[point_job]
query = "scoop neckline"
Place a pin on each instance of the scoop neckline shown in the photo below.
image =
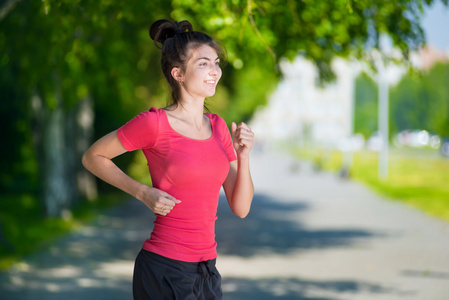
(186, 137)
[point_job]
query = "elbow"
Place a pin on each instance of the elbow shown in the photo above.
(84, 160)
(241, 208)
(241, 214)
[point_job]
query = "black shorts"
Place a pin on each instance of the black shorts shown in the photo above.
(157, 278)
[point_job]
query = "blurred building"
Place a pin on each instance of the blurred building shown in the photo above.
(300, 110)
(427, 57)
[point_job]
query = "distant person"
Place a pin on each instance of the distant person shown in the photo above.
(190, 155)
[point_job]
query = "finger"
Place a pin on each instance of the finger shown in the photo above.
(246, 134)
(166, 204)
(242, 125)
(245, 130)
(164, 210)
(234, 130)
(163, 206)
(170, 197)
(241, 128)
(245, 143)
(163, 213)
(246, 138)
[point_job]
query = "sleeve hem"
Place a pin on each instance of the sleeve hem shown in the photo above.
(125, 143)
(157, 124)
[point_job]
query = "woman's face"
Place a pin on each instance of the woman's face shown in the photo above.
(202, 72)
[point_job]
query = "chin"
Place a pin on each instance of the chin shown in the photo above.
(210, 93)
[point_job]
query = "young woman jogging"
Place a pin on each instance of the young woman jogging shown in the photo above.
(190, 155)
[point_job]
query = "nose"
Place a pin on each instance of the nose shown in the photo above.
(215, 70)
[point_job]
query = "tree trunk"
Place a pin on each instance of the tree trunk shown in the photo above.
(61, 136)
(58, 190)
(81, 132)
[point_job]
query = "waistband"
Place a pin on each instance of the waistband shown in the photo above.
(203, 267)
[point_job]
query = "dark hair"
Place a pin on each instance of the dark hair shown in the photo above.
(177, 39)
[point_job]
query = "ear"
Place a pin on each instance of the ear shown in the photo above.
(177, 74)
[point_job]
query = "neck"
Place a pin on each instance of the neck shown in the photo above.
(191, 111)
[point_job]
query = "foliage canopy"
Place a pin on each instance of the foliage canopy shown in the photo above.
(62, 52)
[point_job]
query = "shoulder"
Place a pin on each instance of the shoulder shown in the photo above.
(145, 120)
(141, 131)
(219, 125)
(216, 119)
(152, 115)
(154, 112)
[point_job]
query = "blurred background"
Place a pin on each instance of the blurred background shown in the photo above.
(359, 88)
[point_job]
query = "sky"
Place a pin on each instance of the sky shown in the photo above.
(436, 25)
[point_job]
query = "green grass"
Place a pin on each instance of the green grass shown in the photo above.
(418, 177)
(25, 230)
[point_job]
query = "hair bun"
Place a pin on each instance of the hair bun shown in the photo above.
(162, 30)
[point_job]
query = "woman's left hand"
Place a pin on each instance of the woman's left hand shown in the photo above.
(242, 138)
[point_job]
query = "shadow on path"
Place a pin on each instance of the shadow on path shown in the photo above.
(275, 227)
(93, 263)
(96, 262)
(292, 288)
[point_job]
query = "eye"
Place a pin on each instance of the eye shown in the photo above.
(203, 64)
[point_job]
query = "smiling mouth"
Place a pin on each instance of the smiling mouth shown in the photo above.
(211, 81)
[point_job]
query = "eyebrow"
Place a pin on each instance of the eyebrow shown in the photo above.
(207, 58)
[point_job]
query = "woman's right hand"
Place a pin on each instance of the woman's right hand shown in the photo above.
(158, 201)
(98, 160)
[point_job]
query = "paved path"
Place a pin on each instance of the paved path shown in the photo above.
(309, 235)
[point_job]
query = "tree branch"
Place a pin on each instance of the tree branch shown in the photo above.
(251, 19)
(7, 7)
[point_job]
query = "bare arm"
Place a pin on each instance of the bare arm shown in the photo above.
(238, 186)
(98, 160)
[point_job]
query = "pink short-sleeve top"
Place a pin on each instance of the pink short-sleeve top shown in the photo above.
(190, 170)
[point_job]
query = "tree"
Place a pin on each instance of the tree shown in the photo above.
(365, 114)
(422, 101)
(66, 59)
(258, 33)
(62, 54)
(320, 30)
